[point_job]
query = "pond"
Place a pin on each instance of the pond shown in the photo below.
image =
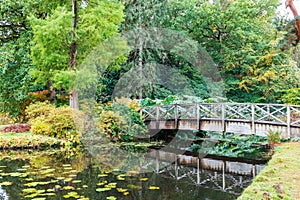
(33, 174)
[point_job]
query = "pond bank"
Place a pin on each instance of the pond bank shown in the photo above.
(280, 179)
(26, 140)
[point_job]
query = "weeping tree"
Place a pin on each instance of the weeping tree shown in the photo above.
(63, 40)
(158, 65)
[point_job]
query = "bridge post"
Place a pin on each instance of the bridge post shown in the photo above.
(157, 117)
(223, 117)
(288, 121)
(176, 116)
(198, 116)
(253, 118)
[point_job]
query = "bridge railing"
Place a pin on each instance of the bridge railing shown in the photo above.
(279, 114)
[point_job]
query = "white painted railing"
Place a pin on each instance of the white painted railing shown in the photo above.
(276, 114)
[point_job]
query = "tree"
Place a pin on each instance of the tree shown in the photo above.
(234, 33)
(59, 49)
(290, 4)
(15, 63)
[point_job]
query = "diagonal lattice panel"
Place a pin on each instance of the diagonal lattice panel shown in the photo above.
(238, 111)
(210, 111)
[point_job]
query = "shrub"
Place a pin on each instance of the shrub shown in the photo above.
(292, 96)
(121, 121)
(16, 128)
(110, 124)
(6, 119)
(38, 109)
(46, 119)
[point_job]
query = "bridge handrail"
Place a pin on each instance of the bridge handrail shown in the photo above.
(282, 114)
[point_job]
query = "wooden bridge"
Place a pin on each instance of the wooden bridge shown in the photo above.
(240, 118)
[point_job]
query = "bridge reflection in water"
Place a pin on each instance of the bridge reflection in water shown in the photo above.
(230, 175)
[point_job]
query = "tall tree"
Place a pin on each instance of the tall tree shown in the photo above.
(15, 37)
(241, 38)
(59, 50)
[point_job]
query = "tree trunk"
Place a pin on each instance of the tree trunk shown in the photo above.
(140, 56)
(73, 52)
(74, 100)
(289, 3)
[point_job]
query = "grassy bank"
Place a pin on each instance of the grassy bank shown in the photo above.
(280, 179)
(26, 140)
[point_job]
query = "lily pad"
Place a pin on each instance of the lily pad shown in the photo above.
(102, 189)
(6, 183)
(153, 188)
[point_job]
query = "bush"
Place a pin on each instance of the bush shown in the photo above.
(121, 121)
(38, 109)
(46, 119)
(292, 96)
(16, 128)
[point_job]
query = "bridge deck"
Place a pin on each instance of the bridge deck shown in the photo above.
(238, 118)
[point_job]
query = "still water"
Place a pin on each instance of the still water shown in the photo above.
(38, 175)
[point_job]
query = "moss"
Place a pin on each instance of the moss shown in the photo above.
(280, 179)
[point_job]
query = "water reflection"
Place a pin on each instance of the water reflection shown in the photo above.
(48, 175)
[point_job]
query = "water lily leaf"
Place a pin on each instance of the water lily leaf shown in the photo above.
(111, 185)
(15, 174)
(41, 191)
(47, 171)
(125, 193)
(50, 190)
(34, 184)
(29, 190)
(134, 186)
(50, 194)
(72, 194)
(72, 175)
(6, 183)
(153, 188)
(28, 179)
(21, 170)
(32, 195)
(68, 188)
(111, 198)
(60, 178)
(102, 183)
(66, 165)
(102, 189)
(122, 190)
(76, 181)
(143, 179)
(2, 166)
(102, 175)
(120, 178)
(84, 186)
(41, 198)
(68, 179)
(68, 168)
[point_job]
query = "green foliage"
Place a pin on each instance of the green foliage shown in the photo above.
(38, 109)
(15, 80)
(232, 145)
(233, 33)
(121, 121)
(274, 136)
(97, 21)
(59, 122)
(292, 96)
